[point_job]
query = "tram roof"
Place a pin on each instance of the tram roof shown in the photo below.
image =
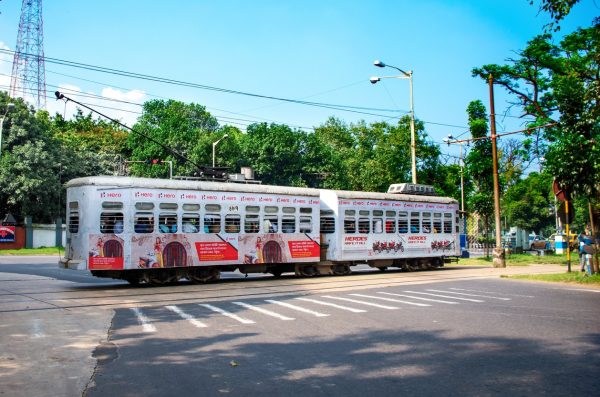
(353, 195)
(123, 182)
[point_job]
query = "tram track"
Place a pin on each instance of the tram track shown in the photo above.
(225, 291)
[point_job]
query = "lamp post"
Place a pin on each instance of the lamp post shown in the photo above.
(9, 107)
(214, 145)
(451, 140)
(405, 75)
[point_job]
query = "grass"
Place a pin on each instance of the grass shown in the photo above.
(34, 251)
(522, 260)
(575, 277)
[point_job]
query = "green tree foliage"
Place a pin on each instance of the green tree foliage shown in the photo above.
(479, 167)
(169, 127)
(558, 10)
(529, 205)
(560, 85)
(276, 152)
(30, 167)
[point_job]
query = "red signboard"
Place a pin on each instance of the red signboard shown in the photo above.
(304, 249)
(216, 251)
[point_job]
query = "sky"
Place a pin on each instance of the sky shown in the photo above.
(311, 50)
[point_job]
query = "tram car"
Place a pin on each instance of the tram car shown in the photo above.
(159, 231)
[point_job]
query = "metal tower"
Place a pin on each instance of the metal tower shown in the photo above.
(29, 72)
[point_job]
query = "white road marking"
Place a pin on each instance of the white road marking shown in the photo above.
(144, 321)
(492, 292)
(294, 307)
(464, 294)
(186, 316)
(361, 302)
(350, 309)
(419, 298)
(445, 296)
(391, 300)
(226, 313)
(38, 332)
(263, 311)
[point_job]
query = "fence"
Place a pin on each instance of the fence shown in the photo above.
(35, 235)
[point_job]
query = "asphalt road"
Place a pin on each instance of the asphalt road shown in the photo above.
(449, 332)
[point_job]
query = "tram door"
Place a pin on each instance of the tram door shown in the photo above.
(272, 252)
(174, 255)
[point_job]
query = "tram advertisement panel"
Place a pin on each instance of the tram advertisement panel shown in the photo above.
(278, 248)
(105, 252)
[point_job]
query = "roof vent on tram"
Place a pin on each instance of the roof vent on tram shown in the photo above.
(411, 188)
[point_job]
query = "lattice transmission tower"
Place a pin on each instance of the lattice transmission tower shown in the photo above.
(28, 78)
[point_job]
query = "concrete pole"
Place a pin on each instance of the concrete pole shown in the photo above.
(499, 257)
(413, 138)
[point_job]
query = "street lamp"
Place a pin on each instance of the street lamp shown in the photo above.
(451, 140)
(215, 145)
(404, 75)
(9, 106)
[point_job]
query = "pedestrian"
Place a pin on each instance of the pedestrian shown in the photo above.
(581, 239)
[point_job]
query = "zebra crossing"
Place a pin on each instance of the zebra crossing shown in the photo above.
(201, 315)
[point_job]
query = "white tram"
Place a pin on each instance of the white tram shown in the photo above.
(158, 231)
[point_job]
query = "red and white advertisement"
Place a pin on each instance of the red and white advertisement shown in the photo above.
(105, 252)
(355, 241)
(216, 251)
(417, 240)
(7, 234)
(105, 263)
(304, 249)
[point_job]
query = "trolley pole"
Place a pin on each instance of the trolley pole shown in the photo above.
(499, 258)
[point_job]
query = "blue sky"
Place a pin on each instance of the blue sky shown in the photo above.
(321, 51)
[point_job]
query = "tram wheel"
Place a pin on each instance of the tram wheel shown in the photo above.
(382, 268)
(308, 271)
(276, 273)
(133, 280)
(340, 270)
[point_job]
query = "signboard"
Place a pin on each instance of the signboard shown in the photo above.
(7, 234)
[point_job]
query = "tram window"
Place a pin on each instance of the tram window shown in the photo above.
(363, 225)
(144, 206)
(415, 224)
(377, 213)
(391, 214)
(111, 222)
(364, 213)
(327, 212)
(350, 212)
(305, 224)
(447, 223)
(191, 207)
(349, 225)
(270, 223)
(73, 221)
(437, 222)
(190, 223)
(377, 225)
(402, 222)
(232, 224)
(167, 223)
(289, 210)
(306, 210)
(143, 222)
(112, 205)
(288, 224)
(426, 222)
(251, 223)
(168, 206)
(253, 209)
(271, 209)
(390, 225)
(327, 225)
(212, 223)
(212, 208)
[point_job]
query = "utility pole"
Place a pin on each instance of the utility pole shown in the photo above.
(499, 258)
(28, 78)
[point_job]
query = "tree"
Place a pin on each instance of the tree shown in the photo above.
(276, 152)
(479, 166)
(173, 131)
(559, 87)
(558, 10)
(529, 205)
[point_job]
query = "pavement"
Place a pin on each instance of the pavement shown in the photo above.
(50, 351)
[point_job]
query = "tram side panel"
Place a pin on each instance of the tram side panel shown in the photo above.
(383, 231)
(157, 230)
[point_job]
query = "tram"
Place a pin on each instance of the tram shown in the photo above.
(160, 231)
